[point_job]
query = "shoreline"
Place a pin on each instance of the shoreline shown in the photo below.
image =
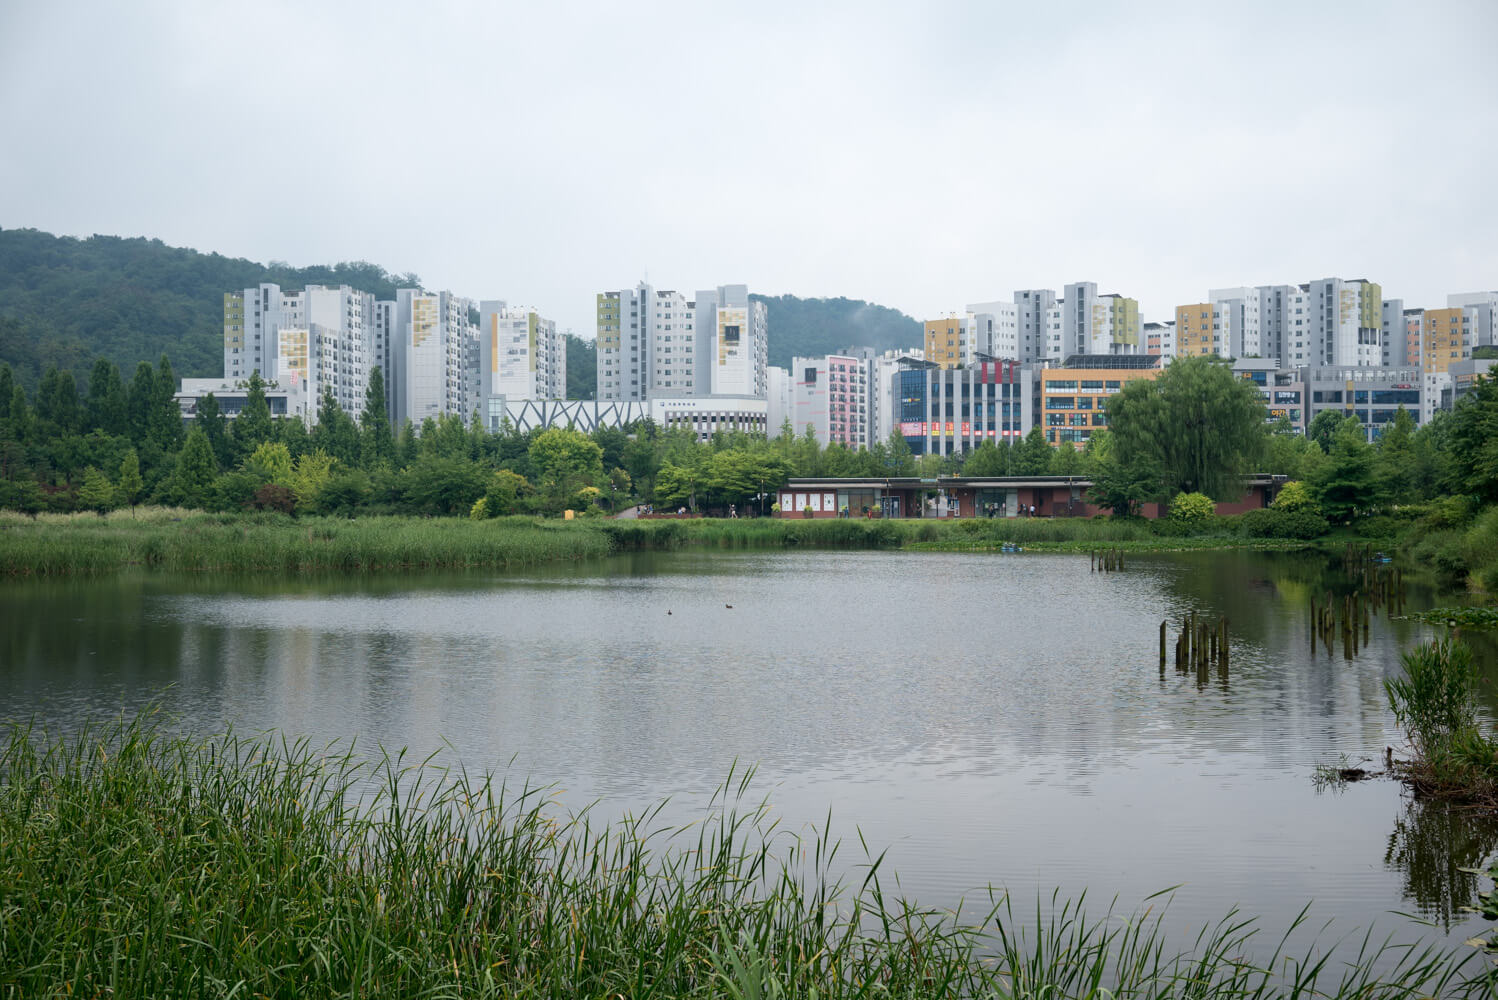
(188, 541)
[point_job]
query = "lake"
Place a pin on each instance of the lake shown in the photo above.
(991, 719)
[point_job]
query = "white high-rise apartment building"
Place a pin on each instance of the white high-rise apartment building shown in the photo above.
(433, 356)
(1084, 322)
(832, 396)
(1242, 316)
(521, 354)
(1033, 307)
(735, 331)
(635, 328)
(660, 344)
(1392, 332)
(1325, 322)
(251, 317)
(995, 330)
(1479, 317)
(779, 399)
(311, 341)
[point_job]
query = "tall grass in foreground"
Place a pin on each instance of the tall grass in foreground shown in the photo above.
(138, 863)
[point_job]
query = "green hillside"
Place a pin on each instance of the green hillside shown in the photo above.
(812, 327)
(65, 302)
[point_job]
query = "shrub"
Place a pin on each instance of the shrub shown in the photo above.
(1304, 523)
(234, 491)
(1191, 508)
(1294, 496)
(1448, 512)
(275, 498)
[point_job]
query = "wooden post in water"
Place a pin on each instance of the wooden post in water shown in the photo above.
(1222, 646)
(1162, 647)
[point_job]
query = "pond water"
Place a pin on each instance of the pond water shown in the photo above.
(992, 720)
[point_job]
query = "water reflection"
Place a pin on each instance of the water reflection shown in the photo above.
(995, 719)
(1429, 846)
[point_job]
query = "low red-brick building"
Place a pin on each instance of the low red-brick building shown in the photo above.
(973, 496)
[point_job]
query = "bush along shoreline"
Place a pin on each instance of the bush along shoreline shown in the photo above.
(140, 862)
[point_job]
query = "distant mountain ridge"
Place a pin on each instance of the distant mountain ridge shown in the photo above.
(65, 302)
(813, 327)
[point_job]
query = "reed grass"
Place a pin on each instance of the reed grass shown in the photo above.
(135, 862)
(275, 543)
(1435, 702)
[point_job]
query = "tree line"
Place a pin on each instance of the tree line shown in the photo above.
(1196, 429)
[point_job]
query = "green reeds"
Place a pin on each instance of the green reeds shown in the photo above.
(1435, 702)
(274, 543)
(137, 862)
(279, 544)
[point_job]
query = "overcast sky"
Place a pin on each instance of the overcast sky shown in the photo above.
(919, 155)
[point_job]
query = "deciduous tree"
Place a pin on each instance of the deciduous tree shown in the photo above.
(1195, 427)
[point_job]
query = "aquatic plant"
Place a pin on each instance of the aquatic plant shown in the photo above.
(140, 862)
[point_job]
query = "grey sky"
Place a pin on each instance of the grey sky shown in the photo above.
(918, 155)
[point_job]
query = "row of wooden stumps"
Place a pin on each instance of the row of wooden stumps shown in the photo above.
(1350, 616)
(1200, 647)
(1107, 561)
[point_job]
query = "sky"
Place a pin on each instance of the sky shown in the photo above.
(921, 156)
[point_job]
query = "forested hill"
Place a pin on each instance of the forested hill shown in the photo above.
(812, 327)
(66, 302)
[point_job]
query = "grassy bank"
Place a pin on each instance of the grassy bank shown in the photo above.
(134, 862)
(185, 541)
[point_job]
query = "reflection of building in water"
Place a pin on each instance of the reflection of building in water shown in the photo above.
(1428, 848)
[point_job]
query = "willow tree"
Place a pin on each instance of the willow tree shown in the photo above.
(1194, 429)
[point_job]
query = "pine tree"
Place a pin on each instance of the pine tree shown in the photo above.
(196, 470)
(97, 493)
(376, 443)
(253, 426)
(130, 485)
(106, 408)
(166, 415)
(138, 401)
(216, 426)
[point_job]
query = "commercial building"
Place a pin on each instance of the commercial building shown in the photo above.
(884, 374)
(1074, 396)
(1371, 394)
(709, 415)
(1282, 392)
(233, 396)
(948, 411)
(970, 496)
